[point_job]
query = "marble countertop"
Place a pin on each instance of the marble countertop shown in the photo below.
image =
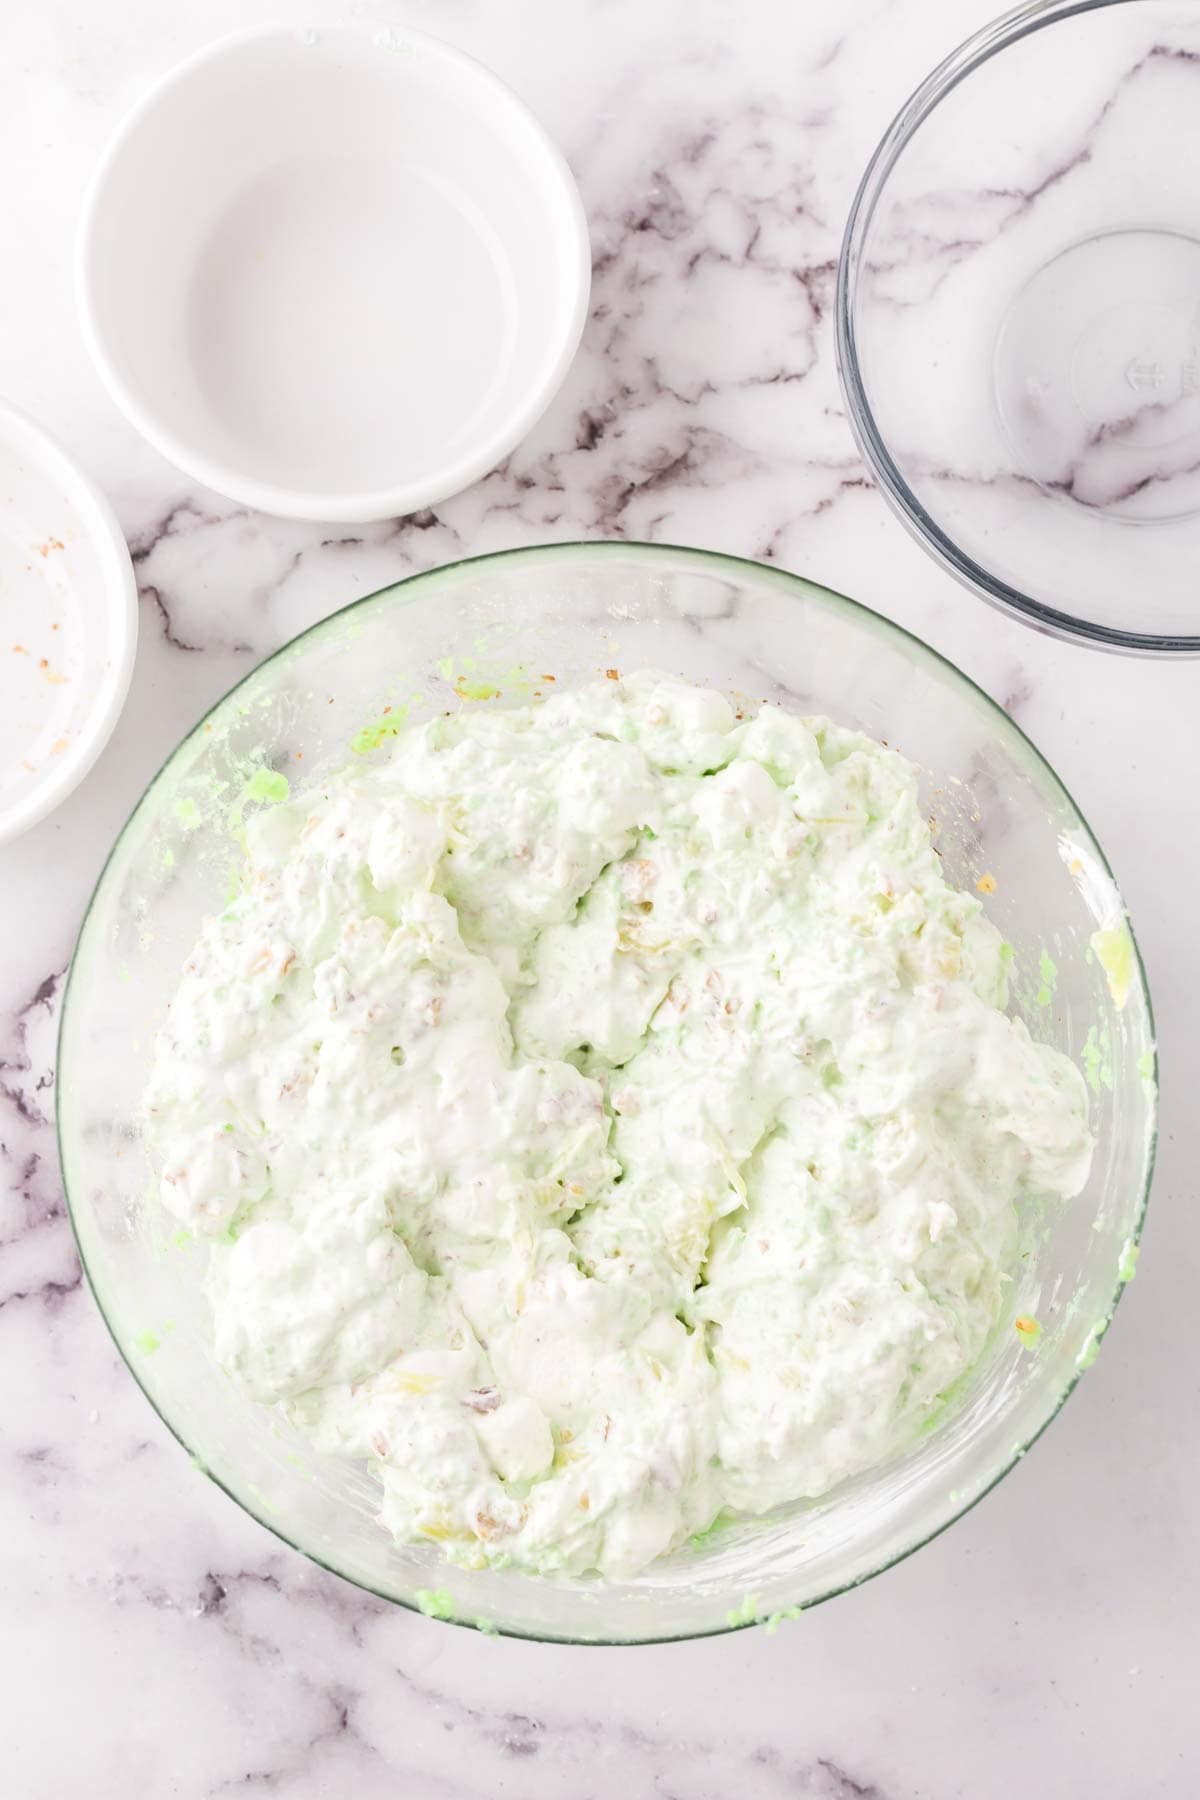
(153, 1640)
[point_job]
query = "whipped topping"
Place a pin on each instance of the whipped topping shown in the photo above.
(602, 1114)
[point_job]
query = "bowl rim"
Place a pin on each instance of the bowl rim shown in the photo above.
(408, 587)
(1010, 28)
(400, 498)
(116, 595)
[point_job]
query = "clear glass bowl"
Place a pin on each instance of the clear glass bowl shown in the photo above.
(573, 611)
(1018, 318)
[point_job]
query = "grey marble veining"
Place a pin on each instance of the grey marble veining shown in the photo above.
(153, 1640)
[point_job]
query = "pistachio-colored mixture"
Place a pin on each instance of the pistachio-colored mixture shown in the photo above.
(602, 1114)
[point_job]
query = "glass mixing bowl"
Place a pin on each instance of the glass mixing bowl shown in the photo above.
(1018, 318)
(509, 621)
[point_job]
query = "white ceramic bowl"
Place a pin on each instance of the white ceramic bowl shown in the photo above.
(334, 274)
(70, 622)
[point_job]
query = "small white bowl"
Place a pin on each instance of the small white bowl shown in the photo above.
(334, 274)
(69, 622)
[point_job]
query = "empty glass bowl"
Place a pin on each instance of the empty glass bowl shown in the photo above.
(509, 622)
(1018, 318)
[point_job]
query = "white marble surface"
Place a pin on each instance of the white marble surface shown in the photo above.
(153, 1641)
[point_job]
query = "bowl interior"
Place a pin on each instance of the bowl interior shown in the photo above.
(336, 265)
(70, 618)
(1019, 326)
(573, 612)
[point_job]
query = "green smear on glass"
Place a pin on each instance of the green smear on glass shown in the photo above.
(1091, 1348)
(1048, 975)
(1127, 1267)
(146, 1342)
(1145, 1065)
(486, 1628)
(472, 679)
(701, 1539)
(435, 1603)
(268, 785)
(1097, 1064)
(943, 1402)
(187, 812)
(388, 725)
(776, 1619)
(745, 1614)
(461, 675)
(1114, 952)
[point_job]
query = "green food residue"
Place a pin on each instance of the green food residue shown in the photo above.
(268, 785)
(462, 679)
(1028, 1330)
(187, 812)
(1091, 1346)
(1097, 1063)
(1145, 1065)
(475, 680)
(700, 1540)
(1048, 975)
(146, 1342)
(776, 1619)
(387, 725)
(1127, 1266)
(745, 1614)
(1114, 952)
(435, 1603)
(486, 1628)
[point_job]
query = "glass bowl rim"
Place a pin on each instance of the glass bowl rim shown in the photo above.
(713, 561)
(955, 68)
